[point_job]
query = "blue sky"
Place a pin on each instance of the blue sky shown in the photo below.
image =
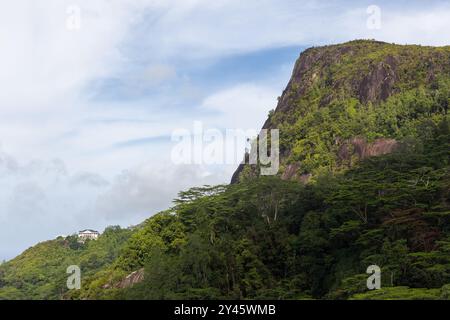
(86, 113)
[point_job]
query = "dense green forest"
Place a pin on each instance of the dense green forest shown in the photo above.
(286, 237)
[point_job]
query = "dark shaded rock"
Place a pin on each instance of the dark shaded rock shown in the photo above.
(291, 172)
(379, 83)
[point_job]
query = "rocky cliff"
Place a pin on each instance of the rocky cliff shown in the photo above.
(343, 103)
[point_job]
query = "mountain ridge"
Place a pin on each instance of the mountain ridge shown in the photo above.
(378, 71)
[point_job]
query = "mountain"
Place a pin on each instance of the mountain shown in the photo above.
(354, 100)
(364, 180)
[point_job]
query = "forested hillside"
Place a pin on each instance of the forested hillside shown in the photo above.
(364, 180)
(40, 272)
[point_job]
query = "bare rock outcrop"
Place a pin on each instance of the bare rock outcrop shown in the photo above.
(378, 85)
(362, 149)
(130, 280)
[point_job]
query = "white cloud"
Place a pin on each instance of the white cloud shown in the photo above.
(90, 179)
(138, 191)
(158, 73)
(405, 25)
(41, 199)
(42, 60)
(244, 106)
(204, 29)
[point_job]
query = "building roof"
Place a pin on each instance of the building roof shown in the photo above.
(88, 231)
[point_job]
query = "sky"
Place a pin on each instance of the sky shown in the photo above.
(93, 90)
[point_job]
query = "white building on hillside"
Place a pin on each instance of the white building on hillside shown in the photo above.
(88, 235)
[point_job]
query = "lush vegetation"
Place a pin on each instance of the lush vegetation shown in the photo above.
(325, 107)
(269, 238)
(40, 272)
(272, 238)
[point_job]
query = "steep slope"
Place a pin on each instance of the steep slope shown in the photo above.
(354, 100)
